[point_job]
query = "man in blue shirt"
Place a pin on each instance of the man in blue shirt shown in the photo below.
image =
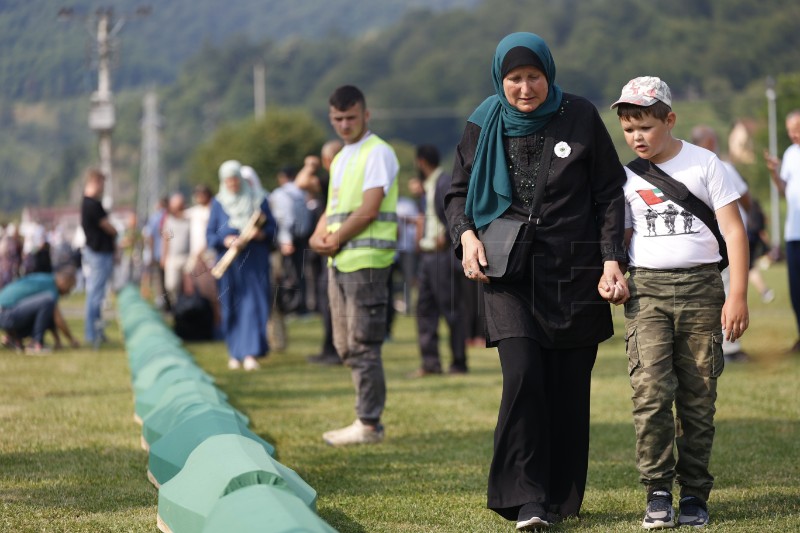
(28, 308)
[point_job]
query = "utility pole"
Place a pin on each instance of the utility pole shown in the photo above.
(149, 170)
(259, 89)
(102, 117)
(101, 112)
(774, 197)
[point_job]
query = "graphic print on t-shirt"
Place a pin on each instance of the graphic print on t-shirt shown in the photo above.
(662, 222)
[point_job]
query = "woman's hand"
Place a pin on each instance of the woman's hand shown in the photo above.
(613, 287)
(474, 257)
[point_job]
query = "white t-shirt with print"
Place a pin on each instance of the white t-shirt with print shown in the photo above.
(381, 169)
(790, 174)
(665, 236)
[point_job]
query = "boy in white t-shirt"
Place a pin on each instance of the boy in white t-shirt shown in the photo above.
(677, 309)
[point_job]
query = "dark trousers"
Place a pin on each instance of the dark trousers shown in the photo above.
(324, 307)
(439, 296)
(472, 301)
(793, 266)
(31, 317)
(541, 443)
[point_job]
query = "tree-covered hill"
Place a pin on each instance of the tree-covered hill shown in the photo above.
(422, 70)
(45, 56)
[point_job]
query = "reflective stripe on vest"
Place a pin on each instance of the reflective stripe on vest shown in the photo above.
(375, 246)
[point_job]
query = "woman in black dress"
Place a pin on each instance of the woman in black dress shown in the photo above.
(547, 325)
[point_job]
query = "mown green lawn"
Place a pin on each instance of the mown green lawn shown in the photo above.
(70, 458)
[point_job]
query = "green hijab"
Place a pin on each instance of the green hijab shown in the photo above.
(489, 193)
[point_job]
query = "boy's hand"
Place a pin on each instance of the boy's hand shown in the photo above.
(613, 287)
(735, 318)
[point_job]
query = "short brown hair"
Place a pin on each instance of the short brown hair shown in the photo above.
(94, 174)
(658, 110)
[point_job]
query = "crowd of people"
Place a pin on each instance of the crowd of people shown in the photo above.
(538, 229)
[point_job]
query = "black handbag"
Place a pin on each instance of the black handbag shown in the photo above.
(508, 242)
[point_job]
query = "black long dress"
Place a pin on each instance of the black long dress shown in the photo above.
(558, 307)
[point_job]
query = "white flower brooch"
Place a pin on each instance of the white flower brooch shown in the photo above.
(562, 150)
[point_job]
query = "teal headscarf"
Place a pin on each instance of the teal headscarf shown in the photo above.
(489, 193)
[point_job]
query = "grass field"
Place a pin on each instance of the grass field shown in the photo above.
(70, 458)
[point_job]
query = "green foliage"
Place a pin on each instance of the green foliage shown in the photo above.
(47, 58)
(423, 70)
(282, 137)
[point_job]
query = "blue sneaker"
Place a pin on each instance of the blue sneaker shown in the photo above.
(659, 513)
(693, 512)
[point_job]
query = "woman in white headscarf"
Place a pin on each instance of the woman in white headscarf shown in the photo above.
(244, 288)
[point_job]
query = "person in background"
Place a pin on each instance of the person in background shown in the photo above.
(97, 255)
(288, 205)
(29, 308)
(175, 246)
(705, 137)
(201, 257)
(786, 177)
(244, 287)
(406, 262)
(314, 178)
(439, 294)
(358, 233)
(758, 241)
(546, 326)
(152, 284)
(10, 255)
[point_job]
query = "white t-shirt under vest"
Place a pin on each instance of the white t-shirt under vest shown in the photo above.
(381, 169)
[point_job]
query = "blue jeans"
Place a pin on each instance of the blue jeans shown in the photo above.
(98, 267)
(31, 317)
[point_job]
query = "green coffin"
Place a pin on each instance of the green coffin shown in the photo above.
(147, 400)
(155, 369)
(142, 358)
(167, 415)
(260, 509)
(144, 344)
(169, 453)
(220, 466)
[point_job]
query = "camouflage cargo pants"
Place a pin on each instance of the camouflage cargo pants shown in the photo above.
(673, 340)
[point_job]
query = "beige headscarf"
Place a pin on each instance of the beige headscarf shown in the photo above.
(240, 206)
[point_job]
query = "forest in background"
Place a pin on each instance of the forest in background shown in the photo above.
(422, 71)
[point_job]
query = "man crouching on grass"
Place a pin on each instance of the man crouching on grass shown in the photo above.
(29, 307)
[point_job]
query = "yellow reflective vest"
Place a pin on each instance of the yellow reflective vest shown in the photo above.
(375, 246)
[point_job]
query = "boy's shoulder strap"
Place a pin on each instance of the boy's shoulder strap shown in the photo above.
(681, 195)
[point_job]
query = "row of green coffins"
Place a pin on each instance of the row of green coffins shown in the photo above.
(213, 473)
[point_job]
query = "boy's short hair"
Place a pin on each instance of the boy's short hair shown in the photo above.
(658, 111)
(645, 95)
(346, 96)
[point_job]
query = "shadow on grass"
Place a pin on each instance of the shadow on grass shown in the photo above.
(340, 521)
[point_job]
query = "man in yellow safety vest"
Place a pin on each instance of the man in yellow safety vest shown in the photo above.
(358, 234)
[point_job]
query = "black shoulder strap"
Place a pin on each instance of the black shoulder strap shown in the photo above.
(681, 195)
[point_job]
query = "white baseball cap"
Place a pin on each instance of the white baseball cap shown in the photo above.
(644, 91)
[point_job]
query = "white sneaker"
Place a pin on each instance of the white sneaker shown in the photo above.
(250, 363)
(234, 364)
(356, 433)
